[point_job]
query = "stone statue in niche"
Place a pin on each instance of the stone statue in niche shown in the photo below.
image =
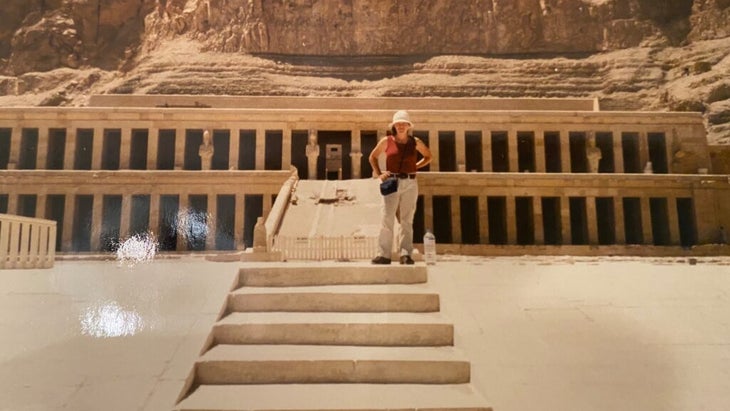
(593, 154)
(259, 236)
(206, 151)
(312, 152)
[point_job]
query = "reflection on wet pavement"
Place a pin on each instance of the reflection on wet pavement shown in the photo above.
(108, 319)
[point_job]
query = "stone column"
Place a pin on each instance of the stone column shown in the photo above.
(673, 221)
(456, 219)
(356, 153)
(183, 215)
(153, 139)
(96, 220)
(238, 221)
(267, 205)
(487, 150)
(42, 158)
(540, 150)
(433, 145)
(356, 159)
(428, 212)
(646, 221)
(511, 205)
(40, 207)
(233, 147)
(125, 216)
(460, 147)
(125, 148)
(565, 219)
(592, 220)
(69, 210)
(286, 148)
(154, 224)
(212, 208)
(69, 153)
(537, 221)
(97, 147)
(618, 212)
(260, 148)
(618, 150)
(180, 150)
(16, 137)
(483, 219)
(13, 204)
(512, 155)
(565, 151)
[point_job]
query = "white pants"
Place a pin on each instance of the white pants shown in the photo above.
(403, 200)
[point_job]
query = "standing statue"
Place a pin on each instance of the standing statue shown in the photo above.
(312, 152)
(593, 154)
(206, 151)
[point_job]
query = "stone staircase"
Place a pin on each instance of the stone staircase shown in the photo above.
(331, 337)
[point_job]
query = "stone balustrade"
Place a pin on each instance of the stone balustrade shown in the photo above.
(26, 242)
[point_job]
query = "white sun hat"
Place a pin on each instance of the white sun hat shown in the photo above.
(401, 116)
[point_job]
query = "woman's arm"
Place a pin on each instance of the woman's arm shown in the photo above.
(373, 158)
(425, 152)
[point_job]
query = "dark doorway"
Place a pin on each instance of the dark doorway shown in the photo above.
(56, 148)
(272, 159)
(605, 220)
(500, 152)
(28, 149)
(447, 151)
(247, 150)
(55, 209)
(81, 239)
(27, 205)
(221, 149)
(578, 221)
(5, 137)
(469, 220)
(658, 153)
(193, 141)
(83, 150)
(442, 219)
(659, 221)
(687, 225)
(632, 220)
(497, 214)
(253, 209)
(342, 138)
(578, 160)
(423, 136)
(526, 151)
(138, 149)
(166, 150)
(604, 141)
(196, 226)
(524, 219)
(111, 215)
(419, 222)
(368, 141)
(139, 221)
(169, 209)
(225, 217)
(630, 147)
(299, 140)
(110, 149)
(473, 146)
(552, 152)
(551, 225)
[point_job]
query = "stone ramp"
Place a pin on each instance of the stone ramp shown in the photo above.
(331, 337)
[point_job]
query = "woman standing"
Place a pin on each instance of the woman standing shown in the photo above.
(400, 150)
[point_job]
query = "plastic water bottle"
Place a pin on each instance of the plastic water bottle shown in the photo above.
(429, 247)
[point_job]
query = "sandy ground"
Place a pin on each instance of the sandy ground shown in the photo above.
(542, 333)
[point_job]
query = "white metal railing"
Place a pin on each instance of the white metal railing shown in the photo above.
(27, 242)
(326, 248)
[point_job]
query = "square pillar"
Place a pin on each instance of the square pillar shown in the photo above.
(125, 215)
(540, 152)
(286, 148)
(512, 153)
(13, 204)
(42, 158)
(511, 220)
(69, 209)
(483, 219)
(154, 225)
(618, 212)
(153, 140)
(211, 221)
(267, 206)
(97, 210)
(433, 145)
(565, 217)
(40, 207)
(456, 219)
(643, 148)
(125, 148)
(16, 138)
(238, 221)
(69, 154)
(96, 151)
(565, 152)
(233, 147)
(538, 228)
(673, 221)
(428, 212)
(646, 221)
(618, 150)
(180, 151)
(260, 149)
(592, 220)
(487, 151)
(356, 152)
(183, 214)
(460, 147)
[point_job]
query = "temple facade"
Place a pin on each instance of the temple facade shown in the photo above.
(199, 170)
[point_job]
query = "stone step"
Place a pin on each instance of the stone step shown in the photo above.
(306, 397)
(369, 329)
(303, 364)
(358, 298)
(341, 274)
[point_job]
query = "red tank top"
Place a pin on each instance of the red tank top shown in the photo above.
(403, 155)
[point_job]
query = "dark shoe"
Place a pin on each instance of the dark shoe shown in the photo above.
(406, 259)
(380, 260)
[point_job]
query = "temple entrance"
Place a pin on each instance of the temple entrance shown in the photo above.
(335, 140)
